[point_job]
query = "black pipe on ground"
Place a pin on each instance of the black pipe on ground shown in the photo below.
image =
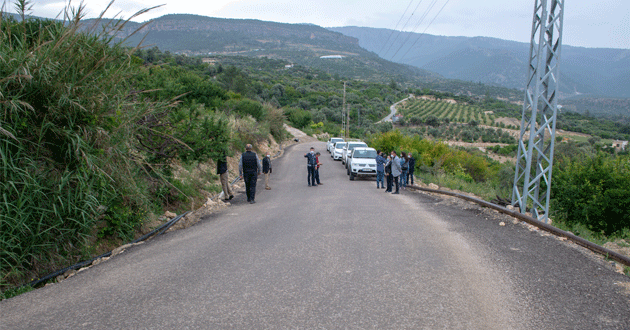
(82, 264)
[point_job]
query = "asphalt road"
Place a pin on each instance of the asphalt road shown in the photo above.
(343, 255)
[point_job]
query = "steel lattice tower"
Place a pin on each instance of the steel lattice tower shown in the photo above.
(532, 180)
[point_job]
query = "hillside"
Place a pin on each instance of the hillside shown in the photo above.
(590, 71)
(302, 44)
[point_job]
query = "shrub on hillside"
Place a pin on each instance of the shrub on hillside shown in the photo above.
(299, 118)
(594, 192)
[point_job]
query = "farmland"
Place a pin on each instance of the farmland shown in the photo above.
(418, 110)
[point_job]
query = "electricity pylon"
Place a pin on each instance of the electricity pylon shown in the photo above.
(532, 180)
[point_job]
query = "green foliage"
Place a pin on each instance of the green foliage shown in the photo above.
(67, 124)
(593, 191)
(12, 292)
(205, 135)
(173, 82)
(297, 117)
(245, 107)
(86, 140)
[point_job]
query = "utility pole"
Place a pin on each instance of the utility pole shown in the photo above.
(534, 162)
(345, 118)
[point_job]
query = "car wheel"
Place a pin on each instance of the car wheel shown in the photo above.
(348, 171)
(352, 176)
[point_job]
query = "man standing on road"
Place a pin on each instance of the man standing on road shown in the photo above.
(222, 171)
(388, 173)
(396, 171)
(380, 170)
(317, 154)
(412, 167)
(311, 162)
(248, 169)
(266, 168)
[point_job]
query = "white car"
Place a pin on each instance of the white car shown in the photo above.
(362, 162)
(337, 150)
(347, 151)
(331, 143)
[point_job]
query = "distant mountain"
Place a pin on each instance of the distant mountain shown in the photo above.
(302, 44)
(592, 71)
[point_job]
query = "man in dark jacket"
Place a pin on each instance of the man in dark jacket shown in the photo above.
(222, 171)
(380, 169)
(412, 166)
(249, 168)
(311, 163)
(266, 165)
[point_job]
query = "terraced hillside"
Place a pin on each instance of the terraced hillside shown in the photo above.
(421, 108)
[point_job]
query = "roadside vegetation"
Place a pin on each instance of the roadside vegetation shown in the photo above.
(94, 140)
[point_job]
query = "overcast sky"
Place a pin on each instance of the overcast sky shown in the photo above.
(587, 23)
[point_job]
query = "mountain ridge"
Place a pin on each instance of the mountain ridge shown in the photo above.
(593, 71)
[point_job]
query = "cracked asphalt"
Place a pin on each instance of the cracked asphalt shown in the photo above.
(343, 255)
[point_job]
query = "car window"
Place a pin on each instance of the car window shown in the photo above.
(351, 146)
(367, 153)
(339, 145)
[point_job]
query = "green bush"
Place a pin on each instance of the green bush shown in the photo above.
(246, 107)
(594, 192)
(299, 118)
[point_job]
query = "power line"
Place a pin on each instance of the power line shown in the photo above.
(404, 26)
(396, 27)
(425, 30)
(426, 12)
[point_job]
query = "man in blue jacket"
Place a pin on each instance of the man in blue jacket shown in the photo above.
(311, 163)
(380, 169)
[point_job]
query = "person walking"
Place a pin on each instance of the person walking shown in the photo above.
(404, 166)
(222, 171)
(317, 154)
(412, 168)
(380, 169)
(266, 169)
(311, 162)
(388, 173)
(249, 168)
(396, 171)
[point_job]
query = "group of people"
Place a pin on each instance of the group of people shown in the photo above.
(312, 167)
(249, 168)
(397, 170)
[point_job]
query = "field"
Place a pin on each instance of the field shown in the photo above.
(423, 108)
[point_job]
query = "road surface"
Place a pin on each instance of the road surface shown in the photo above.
(343, 255)
(393, 110)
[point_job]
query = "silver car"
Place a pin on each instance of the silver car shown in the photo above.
(337, 151)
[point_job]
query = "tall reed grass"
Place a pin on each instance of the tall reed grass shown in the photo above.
(68, 123)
